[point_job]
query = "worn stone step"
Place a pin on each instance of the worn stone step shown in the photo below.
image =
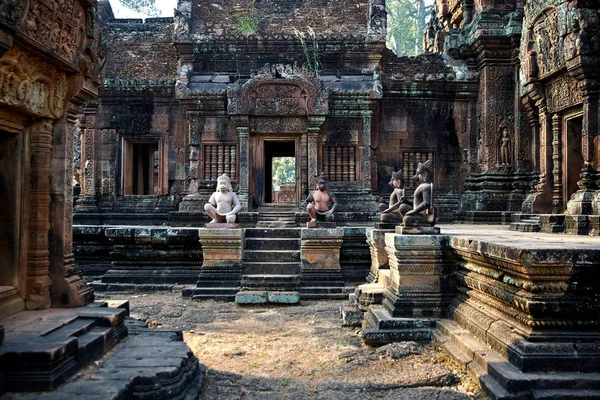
(76, 327)
(271, 255)
(272, 244)
(272, 233)
(270, 281)
(266, 268)
(93, 343)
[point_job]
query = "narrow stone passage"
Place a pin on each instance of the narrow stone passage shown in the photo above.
(299, 352)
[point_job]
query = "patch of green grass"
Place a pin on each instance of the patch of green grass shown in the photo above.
(254, 364)
(287, 334)
(284, 383)
(246, 24)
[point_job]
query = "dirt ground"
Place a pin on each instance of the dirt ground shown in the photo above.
(299, 352)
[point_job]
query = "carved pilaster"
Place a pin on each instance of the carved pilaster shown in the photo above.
(314, 127)
(243, 133)
(68, 287)
(304, 167)
(589, 93)
(366, 151)
(557, 195)
(87, 201)
(38, 279)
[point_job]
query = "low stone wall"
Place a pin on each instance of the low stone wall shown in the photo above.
(151, 258)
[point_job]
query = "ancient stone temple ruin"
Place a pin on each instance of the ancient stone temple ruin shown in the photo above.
(114, 134)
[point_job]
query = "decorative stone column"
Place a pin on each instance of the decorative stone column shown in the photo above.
(191, 202)
(320, 270)
(557, 184)
(366, 151)
(87, 200)
(420, 287)
(241, 124)
(314, 126)
(38, 278)
(68, 287)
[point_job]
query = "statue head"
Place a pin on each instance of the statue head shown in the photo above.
(224, 183)
(397, 180)
(322, 182)
(424, 173)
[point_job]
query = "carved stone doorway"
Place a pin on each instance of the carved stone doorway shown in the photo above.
(572, 154)
(12, 240)
(269, 148)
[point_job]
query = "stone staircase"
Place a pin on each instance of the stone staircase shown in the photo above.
(277, 216)
(271, 267)
(42, 349)
(525, 223)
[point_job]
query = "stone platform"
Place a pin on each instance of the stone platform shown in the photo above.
(42, 349)
(45, 349)
(522, 314)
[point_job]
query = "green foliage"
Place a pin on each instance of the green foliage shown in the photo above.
(405, 25)
(247, 23)
(284, 171)
(310, 47)
(147, 7)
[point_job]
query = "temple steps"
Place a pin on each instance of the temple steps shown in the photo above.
(271, 266)
(43, 351)
(277, 216)
(502, 380)
(525, 223)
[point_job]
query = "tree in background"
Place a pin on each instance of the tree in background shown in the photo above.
(405, 25)
(146, 7)
(284, 171)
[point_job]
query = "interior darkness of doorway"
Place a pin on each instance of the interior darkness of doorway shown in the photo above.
(275, 149)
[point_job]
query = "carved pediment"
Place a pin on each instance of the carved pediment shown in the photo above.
(279, 90)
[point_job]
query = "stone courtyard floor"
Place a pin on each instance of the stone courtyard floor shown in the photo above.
(298, 352)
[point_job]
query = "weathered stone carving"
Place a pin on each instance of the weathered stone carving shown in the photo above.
(319, 200)
(32, 84)
(505, 147)
(434, 34)
(226, 202)
(398, 205)
(423, 212)
(279, 90)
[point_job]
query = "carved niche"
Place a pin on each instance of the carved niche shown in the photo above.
(28, 82)
(279, 91)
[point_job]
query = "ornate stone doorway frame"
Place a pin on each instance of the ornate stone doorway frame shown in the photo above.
(282, 102)
(261, 165)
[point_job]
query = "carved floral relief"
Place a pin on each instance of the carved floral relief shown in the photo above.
(31, 83)
(55, 24)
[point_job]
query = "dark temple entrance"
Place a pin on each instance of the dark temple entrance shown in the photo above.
(280, 172)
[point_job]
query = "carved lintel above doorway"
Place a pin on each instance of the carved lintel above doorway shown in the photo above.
(279, 90)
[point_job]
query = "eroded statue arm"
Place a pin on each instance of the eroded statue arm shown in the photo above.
(237, 206)
(333, 201)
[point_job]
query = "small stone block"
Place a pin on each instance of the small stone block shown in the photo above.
(119, 304)
(417, 230)
(280, 297)
(251, 297)
(320, 224)
(386, 225)
(351, 315)
(220, 225)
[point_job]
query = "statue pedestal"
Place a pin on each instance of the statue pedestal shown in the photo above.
(320, 270)
(419, 288)
(417, 230)
(221, 225)
(320, 224)
(221, 272)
